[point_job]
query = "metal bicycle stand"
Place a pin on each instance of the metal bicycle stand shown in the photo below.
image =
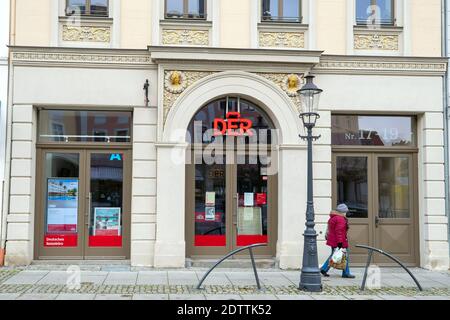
(232, 253)
(369, 260)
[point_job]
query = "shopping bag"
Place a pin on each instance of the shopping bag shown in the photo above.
(339, 259)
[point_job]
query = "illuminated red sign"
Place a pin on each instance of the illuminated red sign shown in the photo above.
(233, 125)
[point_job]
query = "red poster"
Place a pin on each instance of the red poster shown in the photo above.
(61, 240)
(261, 199)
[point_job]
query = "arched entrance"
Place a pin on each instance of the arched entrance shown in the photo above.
(231, 179)
(173, 151)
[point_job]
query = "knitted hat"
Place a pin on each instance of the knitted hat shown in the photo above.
(342, 208)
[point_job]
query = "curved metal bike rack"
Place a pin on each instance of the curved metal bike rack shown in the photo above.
(232, 253)
(369, 260)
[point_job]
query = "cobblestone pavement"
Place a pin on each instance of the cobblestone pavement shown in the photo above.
(122, 282)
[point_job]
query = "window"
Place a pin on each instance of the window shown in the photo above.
(375, 12)
(84, 126)
(87, 7)
(186, 9)
(378, 131)
(282, 10)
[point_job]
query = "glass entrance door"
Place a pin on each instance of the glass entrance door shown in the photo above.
(82, 206)
(230, 206)
(379, 191)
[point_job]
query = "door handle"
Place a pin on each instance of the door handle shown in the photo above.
(236, 208)
(88, 212)
(377, 221)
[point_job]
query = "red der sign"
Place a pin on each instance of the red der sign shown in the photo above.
(233, 125)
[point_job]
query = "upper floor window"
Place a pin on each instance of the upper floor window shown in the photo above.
(375, 12)
(282, 10)
(87, 7)
(187, 9)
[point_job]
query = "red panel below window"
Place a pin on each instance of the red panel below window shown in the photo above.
(60, 240)
(210, 241)
(243, 241)
(105, 241)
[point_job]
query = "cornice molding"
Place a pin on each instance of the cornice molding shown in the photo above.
(381, 65)
(209, 59)
(73, 57)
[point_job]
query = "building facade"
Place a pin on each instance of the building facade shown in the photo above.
(102, 164)
(4, 41)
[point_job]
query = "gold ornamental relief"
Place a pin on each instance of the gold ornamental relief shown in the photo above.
(86, 34)
(376, 42)
(282, 39)
(185, 37)
(289, 83)
(175, 82)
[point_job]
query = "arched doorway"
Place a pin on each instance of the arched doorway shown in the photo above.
(231, 179)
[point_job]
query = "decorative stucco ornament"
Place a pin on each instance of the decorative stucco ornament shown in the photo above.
(175, 82)
(291, 84)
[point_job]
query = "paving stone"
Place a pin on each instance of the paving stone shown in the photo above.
(55, 277)
(257, 297)
(119, 278)
(327, 297)
(9, 296)
(75, 296)
(32, 296)
(182, 278)
(152, 278)
(223, 297)
(391, 297)
(294, 297)
(187, 297)
(151, 297)
(26, 277)
(431, 298)
(219, 279)
(113, 297)
(362, 297)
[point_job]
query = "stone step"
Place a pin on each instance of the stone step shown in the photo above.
(231, 263)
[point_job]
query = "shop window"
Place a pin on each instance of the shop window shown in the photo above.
(87, 7)
(375, 12)
(84, 126)
(185, 9)
(281, 11)
(377, 131)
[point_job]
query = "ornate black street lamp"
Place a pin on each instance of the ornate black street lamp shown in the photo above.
(310, 279)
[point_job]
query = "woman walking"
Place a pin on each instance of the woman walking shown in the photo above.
(337, 238)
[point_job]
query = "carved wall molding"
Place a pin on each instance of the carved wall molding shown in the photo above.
(376, 41)
(281, 80)
(170, 96)
(185, 37)
(270, 39)
(86, 33)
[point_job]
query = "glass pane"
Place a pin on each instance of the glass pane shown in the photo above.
(210, 205)
(215, 116)
(99, 7)
(270, 10)
(252, 215)
(373, 131)
(393, 187)
(386, 14)
(62, 190)
(291, 10)
(106, 200)
(75, 7)
(196, 9)
(363, 10)
(84, 126)
(174, 8)
(352, 187)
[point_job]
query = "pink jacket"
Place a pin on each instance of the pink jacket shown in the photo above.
(337, 230)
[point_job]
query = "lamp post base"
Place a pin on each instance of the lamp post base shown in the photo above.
(311, 281)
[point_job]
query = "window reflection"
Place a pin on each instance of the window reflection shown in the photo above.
(281, 10)
(84, 126)
(394, 131)
(375, 11)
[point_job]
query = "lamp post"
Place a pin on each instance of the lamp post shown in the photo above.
(310, 279)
